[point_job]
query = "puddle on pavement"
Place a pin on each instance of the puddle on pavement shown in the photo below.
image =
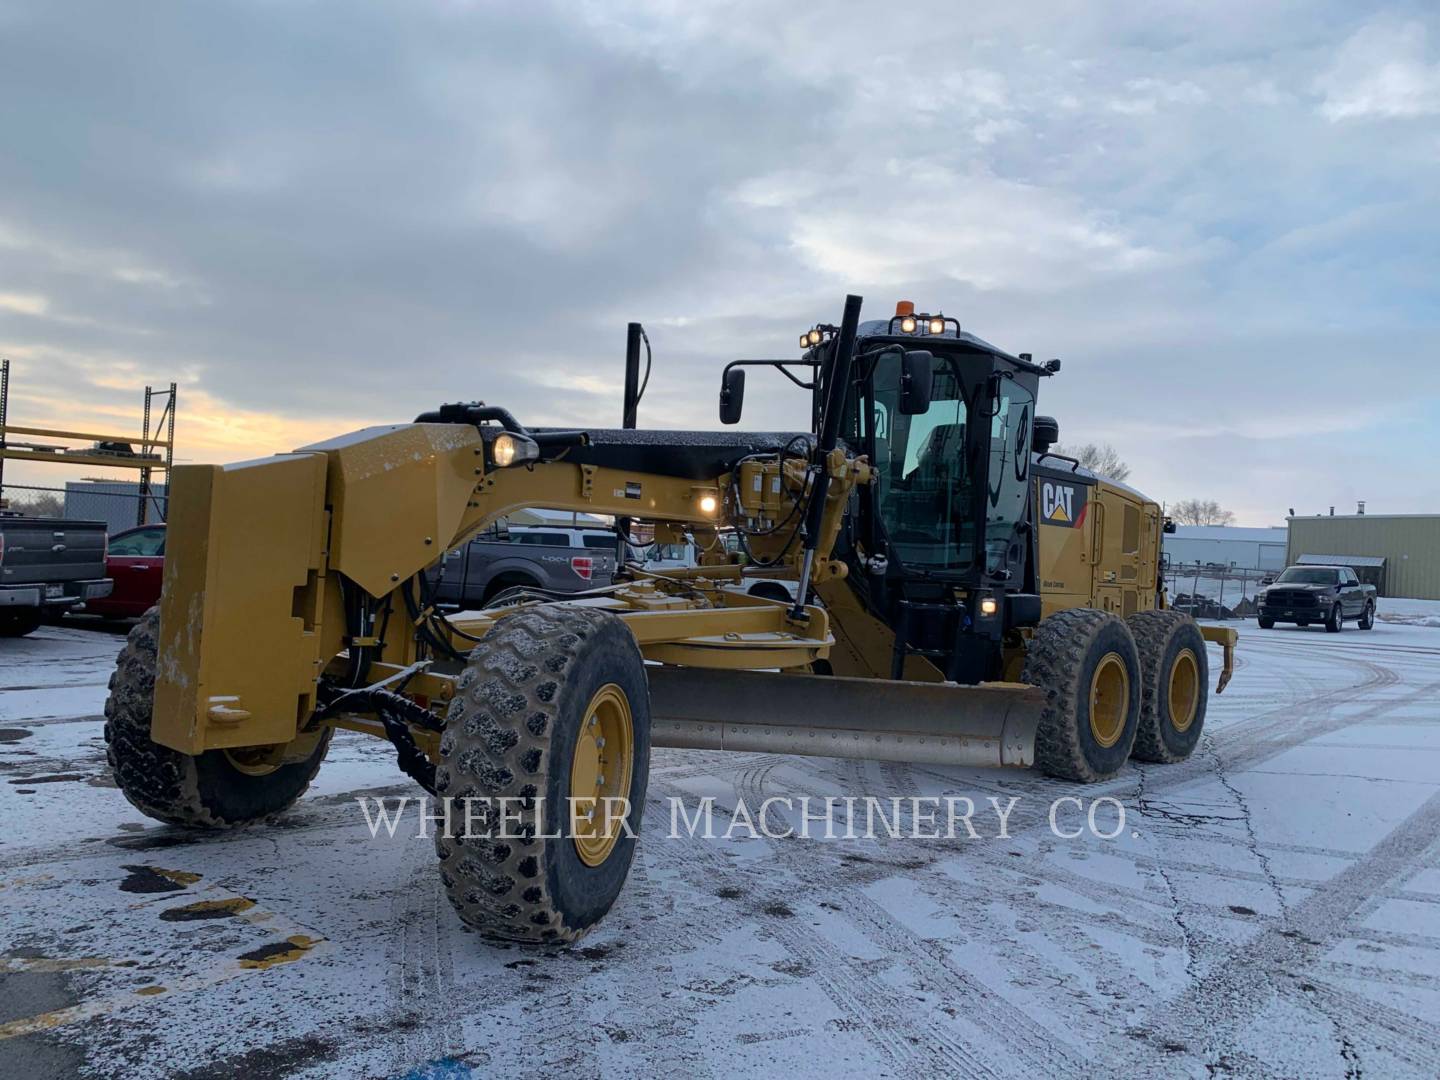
(57, 778)
(282, 952)
(208, 909)
(14, 734)
(159, 839)
(155, 879)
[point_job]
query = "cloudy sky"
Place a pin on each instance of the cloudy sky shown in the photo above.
(1224, 217)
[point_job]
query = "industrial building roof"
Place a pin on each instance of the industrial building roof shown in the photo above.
(1341, 560)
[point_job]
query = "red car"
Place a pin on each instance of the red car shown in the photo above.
(135, 561)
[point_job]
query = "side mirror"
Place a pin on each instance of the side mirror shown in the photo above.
(1045, 434)
(732, 395)
(917, 374)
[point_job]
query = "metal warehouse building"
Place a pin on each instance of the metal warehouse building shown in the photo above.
(1398, 553)
(115, 502)
(1226, 545)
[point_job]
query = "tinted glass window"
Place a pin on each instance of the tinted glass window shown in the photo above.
(540, 538)
(600, 540)
(924, 486)
(144, 542)
(1301, 575)
(1009, 471)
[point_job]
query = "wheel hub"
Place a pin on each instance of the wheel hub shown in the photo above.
(256, 760)
(1109, 700)
(1184, 696)
(600, 774)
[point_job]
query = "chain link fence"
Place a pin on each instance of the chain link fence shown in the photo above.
(118, 503)
(1212, 591)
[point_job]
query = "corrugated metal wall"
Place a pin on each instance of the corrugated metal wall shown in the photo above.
(1409, 544)
(115, 502)
(1246, 554)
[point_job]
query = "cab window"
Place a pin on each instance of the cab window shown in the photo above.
(540, 539)
(141, 542)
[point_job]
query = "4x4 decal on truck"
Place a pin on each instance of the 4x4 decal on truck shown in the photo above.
(1062, 504)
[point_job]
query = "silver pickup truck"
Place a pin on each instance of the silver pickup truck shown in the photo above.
(47, 566)
(555, 558)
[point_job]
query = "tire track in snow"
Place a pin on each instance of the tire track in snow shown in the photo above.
(1222, 1004)
(996, 1022)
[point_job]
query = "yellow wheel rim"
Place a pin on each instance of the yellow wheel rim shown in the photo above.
(256, 760)
(1184, 696)
(601, 770)
(1109, 699)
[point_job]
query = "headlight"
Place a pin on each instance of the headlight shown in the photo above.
(510, 449)
(989, 606)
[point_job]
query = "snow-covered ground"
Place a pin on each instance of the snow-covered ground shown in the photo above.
(1412, 612)
(1272, 907)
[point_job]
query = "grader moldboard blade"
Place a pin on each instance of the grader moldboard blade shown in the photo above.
(830, 716)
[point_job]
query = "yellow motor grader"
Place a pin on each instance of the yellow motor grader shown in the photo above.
(937, 585)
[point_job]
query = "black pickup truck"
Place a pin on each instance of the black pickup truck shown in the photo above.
(47, 566)
(1317, 594)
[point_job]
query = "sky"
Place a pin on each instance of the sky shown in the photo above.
(1224, 218)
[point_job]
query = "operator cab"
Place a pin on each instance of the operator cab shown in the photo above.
(952, 486)
(942, 545)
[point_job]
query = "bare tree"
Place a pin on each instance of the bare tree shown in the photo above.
(1200, 512)
(1100, 458)
(38, 505)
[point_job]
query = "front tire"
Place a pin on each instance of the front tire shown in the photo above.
(1086, 662)
(1367, 619)
(1174, 671)
(1266, 624)
(218, 789)
(553, 704)
(1335, 621)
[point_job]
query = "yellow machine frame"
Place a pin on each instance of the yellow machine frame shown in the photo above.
(252, 613)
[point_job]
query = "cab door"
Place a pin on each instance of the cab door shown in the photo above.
(1117, 552)
(1352, 596)
(135, 562)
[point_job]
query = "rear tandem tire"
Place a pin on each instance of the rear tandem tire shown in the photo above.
(521, 728)
(1087, 663)
(20, 622)
(1174, 673)
(207, 791)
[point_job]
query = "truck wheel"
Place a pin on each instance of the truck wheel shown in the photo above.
(504, 583)
(1335, 621)
(20, 622)
(553, 706)
(1086, 662)
(219, 788)
(1367, 618)
(1266, 624)
(772, 590)
(1174, 681)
